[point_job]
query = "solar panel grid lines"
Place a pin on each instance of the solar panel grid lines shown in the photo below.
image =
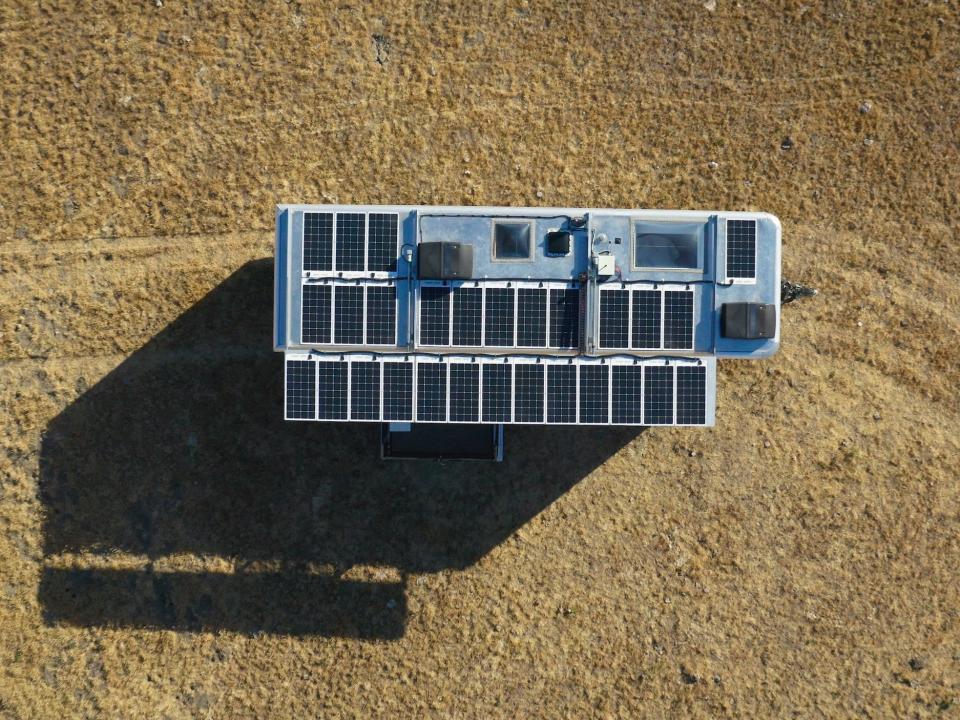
(383, 236)
(520, 389)
(564, 313)
(350, 241)
(499, 317)
(645, 319)
(318, 241)
(434, 309)
(678, 319)
(496, 395)
(614, 318)
(348, 305)
(467, 320)
(741, 249)
(317, 314)
(300, 390)
(531, 317)
(380, 316)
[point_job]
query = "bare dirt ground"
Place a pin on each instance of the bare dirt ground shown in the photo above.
(170, 548)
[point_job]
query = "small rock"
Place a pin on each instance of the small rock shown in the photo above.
(865, 107)
(162, 37)
(917, 664)
(693, 453)
(710, 5)
(786, 143)
(767, 443)
(868, 141)
(539, 193)
(159, 3)
(859, 323)
(713, 164)
(687, 677)
(876, 416)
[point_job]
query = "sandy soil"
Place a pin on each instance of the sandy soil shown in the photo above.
(169, 548)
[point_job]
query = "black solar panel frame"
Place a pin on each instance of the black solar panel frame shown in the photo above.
(464, 392)
(691, 395)
(646, 308)
(626, 398)
(348, 314)
(678, 319)
(332, 390)
(658, 395)
(496, 396)
(467, 317)
(594, 395)
(398, 391)
(614, 319)
(531, 317)
(365, 390)
(562, 394)
(383, 240)
(381, 315)
(498, 321)
(528, 392)
(431, 392)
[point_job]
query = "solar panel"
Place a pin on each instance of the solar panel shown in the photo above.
(464, 392)
(691, 395)
(561, 393)
(382, 241)
(332, 390)
(348, 315)
(678, 319)
(658, 395)
(564, 318)
(435, 315)
(398, 391)
(498, 318)
(351, 236)
(381, 315)
(528, 393)
(594, 394)
(467, 316)
(531, 317)
(315, 315)
(301, 390)
(627, 398)
(364, 390)
(646, 319)
(520, 389)
(318, 241)
(614, 318)
(742, 249)
(497, 392)
(431, 392)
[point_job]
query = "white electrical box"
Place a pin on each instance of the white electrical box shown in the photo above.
(606, 265)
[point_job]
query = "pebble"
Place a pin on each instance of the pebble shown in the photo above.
(917, 664)
(539, 193)
(876, 416)
(713, 164)
(786, 143)
(865, 107)
(767, 443)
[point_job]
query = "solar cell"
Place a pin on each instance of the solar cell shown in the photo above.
(381, 316)
(318, 241)
(531, 317)
(301, 390)
(431, 392)
(561, 393)
(614, 318)
(646, 319)
(658, 395)
(464, 392)
(348, 315)
(497, 392)
(467, 316)
(315, 316)
(564, 318)
(332, 390)
(398, 391)
(594, 394)
(435, 315)
(691, 395)
(351, 232)
(528, 393)
(741, 249)
(364, 390)
(627, 399)
(678, 319)
(382, 241)
(498, 318)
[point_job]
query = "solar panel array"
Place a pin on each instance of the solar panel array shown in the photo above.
(350, 242)
(461, 389)
(478, 314)
(360, 313)
(741, 249)
(646, 319)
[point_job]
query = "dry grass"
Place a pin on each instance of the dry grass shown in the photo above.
(169, 548)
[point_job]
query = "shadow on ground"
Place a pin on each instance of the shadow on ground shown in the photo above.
(183, 449)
